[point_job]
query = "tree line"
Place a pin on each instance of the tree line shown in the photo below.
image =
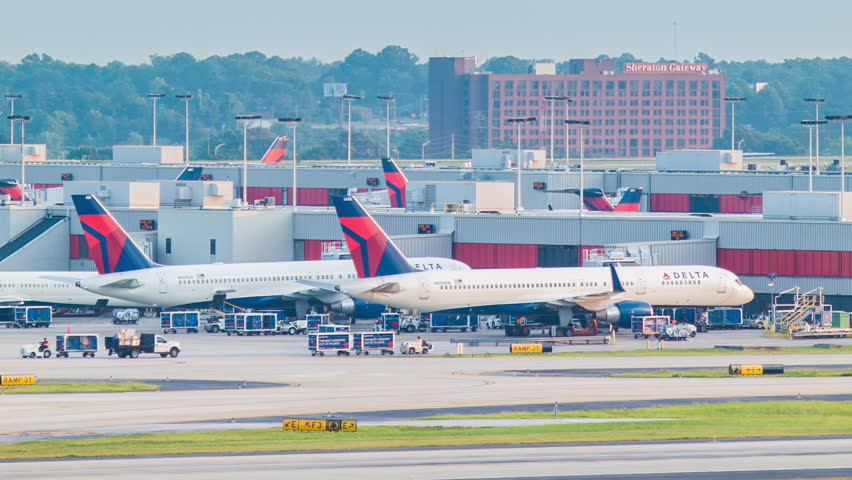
(81, 110)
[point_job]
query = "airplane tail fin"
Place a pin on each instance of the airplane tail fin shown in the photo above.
(373, 252)
(109, 245)
(190, 174)
(594, 199)
(396, 182)
(11, 187)
(630, 200)
(275, 154)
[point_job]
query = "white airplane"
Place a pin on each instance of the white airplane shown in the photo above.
(546, 292)
(42, 289)
(128, 274)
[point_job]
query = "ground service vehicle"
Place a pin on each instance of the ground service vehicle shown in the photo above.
(32, 351)
(412, 323)
(652, 325)
(443, 322)
(366, 342)
(678, 331)
(87, 344)
(251, 323)
(321, 343)
(127, 344)
(415, 346)
(125, 315)
(293, 327)
(214, 324)
(182, 320)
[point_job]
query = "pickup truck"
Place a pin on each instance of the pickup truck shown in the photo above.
(128, 344)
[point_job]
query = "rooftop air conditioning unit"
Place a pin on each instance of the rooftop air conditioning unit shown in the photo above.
(213, 190)
(104, 193)
(270, 201)
(183, 193)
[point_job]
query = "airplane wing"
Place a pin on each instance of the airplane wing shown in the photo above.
(12, 300)
(368, 287)
(124, 283)
(596, 301)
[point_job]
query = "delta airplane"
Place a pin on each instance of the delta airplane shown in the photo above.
(11, 187)
(275, 153)
(385, 276)
(42, 288)
(396, 182)
(126, 273)
(595, 200)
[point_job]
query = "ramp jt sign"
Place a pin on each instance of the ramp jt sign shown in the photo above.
(17, 380)
(314, 425)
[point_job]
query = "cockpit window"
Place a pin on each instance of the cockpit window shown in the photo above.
(737, 281)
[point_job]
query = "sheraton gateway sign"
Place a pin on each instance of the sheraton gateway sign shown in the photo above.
(665, 68)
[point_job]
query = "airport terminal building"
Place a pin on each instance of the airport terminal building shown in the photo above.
(643, 109)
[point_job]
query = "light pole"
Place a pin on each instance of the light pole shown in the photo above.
(388, 100)
(155, 97)
(292, 122)
(816, 102)
(732, 101)
(567, 147)
(23, 119)
(582, 124)
(186, 98)
(12, 97)
(423, 150)
(811, 124)
(245, 119)
(520, 165)
(349, 99)
(553, 100)
(842, 119)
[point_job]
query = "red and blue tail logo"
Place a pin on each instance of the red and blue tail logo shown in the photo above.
(630, 200)
(373, 252)
(109, 245)
(10, 186)
(275, 154)
(396, 182)
(594, 199)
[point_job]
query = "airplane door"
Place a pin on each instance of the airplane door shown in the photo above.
(163, 284)
(640, 283)
(722, 287)
(424, 290)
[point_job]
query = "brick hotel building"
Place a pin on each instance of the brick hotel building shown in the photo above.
(644, 109)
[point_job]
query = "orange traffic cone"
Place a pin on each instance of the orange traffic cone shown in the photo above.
(68, 329)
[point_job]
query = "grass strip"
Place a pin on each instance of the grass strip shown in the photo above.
(79, 387)
(735, 420)
(666, 352)
(723, 373)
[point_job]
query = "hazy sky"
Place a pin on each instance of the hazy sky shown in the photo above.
(99, 31)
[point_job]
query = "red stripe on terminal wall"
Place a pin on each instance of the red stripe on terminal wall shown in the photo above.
(798, 263)
(669, 202)
(496, 255)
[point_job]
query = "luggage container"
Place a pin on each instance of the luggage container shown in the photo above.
(332, 328)
(726, 317)
(251, 323)
(390, 321)
(181, 320)
(652, 326)
(366, 342)
(7, 316)
(33, 317)
(840, 319)
(87, 344)
(316, 319)
(321, 343)
(453, 322)
(125, 315)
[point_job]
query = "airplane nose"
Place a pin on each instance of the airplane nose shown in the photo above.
(745, 294)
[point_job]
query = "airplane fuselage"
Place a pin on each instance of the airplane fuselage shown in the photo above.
(504, 290)
(45, 288)
(268, 284)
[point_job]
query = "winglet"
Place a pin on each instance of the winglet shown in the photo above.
(109, 245)
(373, 252)
(190, 174)
(630, 200)
(275, 154)
(396, 182)
(616, 282)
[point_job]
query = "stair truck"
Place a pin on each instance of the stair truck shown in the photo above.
(366, 342)
(87, 344)
(321, 343)
(181, 320)
(128, 344)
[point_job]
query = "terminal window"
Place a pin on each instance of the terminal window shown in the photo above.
(212, 246)
(168, 245)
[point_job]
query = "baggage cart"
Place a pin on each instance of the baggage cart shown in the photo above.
(366, 342)
(190, 321)
(87, 344)
(321, 343)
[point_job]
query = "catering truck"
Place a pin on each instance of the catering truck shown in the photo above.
(128, 344)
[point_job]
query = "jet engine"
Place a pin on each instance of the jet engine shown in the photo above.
(357, 308)
(620, 313)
